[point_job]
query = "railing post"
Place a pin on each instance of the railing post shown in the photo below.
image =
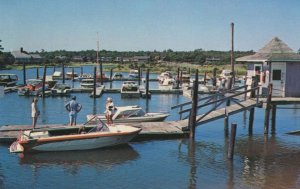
(192, 124)
(268, 107)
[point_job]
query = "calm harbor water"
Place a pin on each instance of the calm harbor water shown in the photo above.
(259, 161)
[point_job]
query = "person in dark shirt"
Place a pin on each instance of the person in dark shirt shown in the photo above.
(73, 108)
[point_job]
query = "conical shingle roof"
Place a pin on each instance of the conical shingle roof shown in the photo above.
(275, 50)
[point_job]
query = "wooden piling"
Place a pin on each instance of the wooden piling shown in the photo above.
(204, 79)
(63, 72)
(214, 83)
(72, 74)
(101, 73)
(192, 122)
(226, 123)
(181, 78)
(147, 84)
(232, 141)
(273, 130)
(24, 73)
(95, 82)
(53, 69)
(252, 110)
(268, 108)
(37, 73)
(232, 53)
(44, 80)
(139, 76)
(111, 74)
(177, 82)
(81, 70)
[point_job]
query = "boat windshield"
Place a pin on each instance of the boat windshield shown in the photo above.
(131, 113)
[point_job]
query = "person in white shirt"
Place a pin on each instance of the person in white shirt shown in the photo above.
(34, 112)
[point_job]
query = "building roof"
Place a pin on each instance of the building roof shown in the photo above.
(275, 50)
(19, 54)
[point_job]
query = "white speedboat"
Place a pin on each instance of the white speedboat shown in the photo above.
(57, 75)
(130, 89)
(127, 114)
(166, 78)
(61, 89)
(88, 83)
(74, 138)
(133, 74)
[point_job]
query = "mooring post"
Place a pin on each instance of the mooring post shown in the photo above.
(95, 81)
(189, 71)
(226, 123)
(232, 54)
(44, 80)
(268, 107)
(147, 84)
(205, 73)
(252, 110)
(53, 69)
(81, 70)
(139, 76)
(273, 130)
(232, 141)
(178, 70)
(111, 74)
(63, 72)
(192, 124)
(37, 72)
(72, 74)
(101, 73)
(214, 77)
(24, 73)
(181, 78)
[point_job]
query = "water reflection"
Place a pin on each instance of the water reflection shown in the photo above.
(72, 161)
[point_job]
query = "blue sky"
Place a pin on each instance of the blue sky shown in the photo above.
(132, 25)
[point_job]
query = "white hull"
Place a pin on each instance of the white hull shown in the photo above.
(85, 144)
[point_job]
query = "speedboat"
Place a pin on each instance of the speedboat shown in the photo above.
(61, 89)
(88, 83)
(57, 75)
(165, 78)
(34, 87)
(133, 74)
(130, 89)
(71, 75)
(8, 80)
(118, 75)
(85, 76)
(74, 138)
(127, 114)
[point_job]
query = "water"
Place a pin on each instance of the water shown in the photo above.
(259, 161)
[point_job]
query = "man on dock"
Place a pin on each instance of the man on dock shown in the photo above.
(73, 108)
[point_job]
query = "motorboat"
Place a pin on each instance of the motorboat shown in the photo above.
(8, 80)
(130, 89)
(104, 78)
(133, 74)
(127, 114)
(71, 75)
(74, 138)
(165, 78)
(85, 76)
(226, 74)
(34, 87)
(118, 75)
(61, 89)
(57, 75)
(88, 83)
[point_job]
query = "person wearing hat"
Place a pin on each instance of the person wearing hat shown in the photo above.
(34, 112)
(109, 110)
(73, 108)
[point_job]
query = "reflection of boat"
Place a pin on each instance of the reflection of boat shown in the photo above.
(8, 80)
(133, 74)
(33, 87)
(60, 89)
(128, 114)
(99, 158)
(130, 89)
(74, 138)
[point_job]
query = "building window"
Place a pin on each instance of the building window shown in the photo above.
(276, 75)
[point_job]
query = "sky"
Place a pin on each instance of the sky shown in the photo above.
(136, 25)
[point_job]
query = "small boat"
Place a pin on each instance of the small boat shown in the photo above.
(165, 75)
(127, 114)
(57, 75)
(74, 138)
(226, 74)
(8, 80)
(104, 78)
(133, 74)
(88, 83)
(34, 87)
(85, 76)
(71, 75)
(130, 89)
(61, 89)
(118, 75)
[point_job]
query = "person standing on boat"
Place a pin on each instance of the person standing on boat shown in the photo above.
(109, 110)
(73, 108)
(34, 112)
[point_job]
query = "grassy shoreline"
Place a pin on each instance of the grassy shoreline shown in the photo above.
(154, 67)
